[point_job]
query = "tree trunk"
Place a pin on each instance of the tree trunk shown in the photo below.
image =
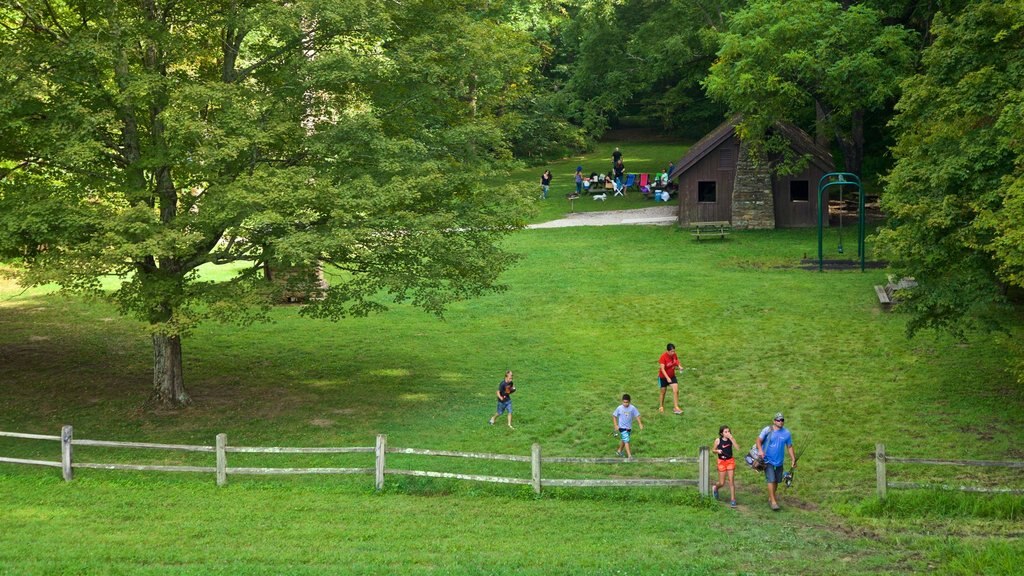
(852, 145)
(168, 380)
(820, 125)
(856, 163)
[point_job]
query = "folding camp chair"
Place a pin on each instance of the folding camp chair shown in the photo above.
(630, 180)
(644, 179)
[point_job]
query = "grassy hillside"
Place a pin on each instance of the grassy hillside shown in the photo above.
(585, 316)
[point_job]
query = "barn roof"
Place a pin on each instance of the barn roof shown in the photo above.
(800, 140)
(709, 142)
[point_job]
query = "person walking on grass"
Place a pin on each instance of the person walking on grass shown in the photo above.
(726, 463)
(545, 184)
(579, 180)
(667, 365)
(772, 444)
(622, 423)
(505, 389)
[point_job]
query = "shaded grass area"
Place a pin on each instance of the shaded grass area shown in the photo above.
(586, 315)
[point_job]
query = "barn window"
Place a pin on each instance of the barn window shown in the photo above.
(726, 158)
(707, 192)
(799, 191)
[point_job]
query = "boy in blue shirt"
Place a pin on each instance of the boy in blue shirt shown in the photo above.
(772, 444)
(622, 422)
(505, 389)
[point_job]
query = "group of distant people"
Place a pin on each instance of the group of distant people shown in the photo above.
(772, 444)
(659, 188)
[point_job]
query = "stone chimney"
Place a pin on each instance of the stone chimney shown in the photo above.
(753, 205)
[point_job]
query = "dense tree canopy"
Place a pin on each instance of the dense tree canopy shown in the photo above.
(643, 59)
(145, 140)
(787, 59)
(956, 195)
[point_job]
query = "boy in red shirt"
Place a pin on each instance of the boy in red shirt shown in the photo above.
(667, 377)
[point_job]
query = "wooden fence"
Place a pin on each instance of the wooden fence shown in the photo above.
(380, 469)
(881, 459)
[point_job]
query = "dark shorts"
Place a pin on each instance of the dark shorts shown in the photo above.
(773, 474)
(666, 383)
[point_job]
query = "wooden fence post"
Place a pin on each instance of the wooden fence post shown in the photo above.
(880, 479)
(66, 433)
(382, 446)
(535, 467)
(702, 466)
(222, 460)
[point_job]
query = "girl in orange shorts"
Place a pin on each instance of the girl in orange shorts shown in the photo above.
(726, 463)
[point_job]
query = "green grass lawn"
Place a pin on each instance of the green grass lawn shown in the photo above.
(587, 313)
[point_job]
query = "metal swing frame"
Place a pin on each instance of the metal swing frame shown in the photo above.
(841, 179)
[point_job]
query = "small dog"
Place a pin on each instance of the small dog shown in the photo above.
(601, 197)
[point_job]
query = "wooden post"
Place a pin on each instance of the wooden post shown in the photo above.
(535, 467)
(382, 446)
(222, 460)
(66, 433)
(702, 466)
(880, 479)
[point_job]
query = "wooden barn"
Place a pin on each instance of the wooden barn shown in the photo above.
(719, 182)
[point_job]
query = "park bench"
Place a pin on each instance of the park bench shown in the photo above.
(887, 294)
(706, 229)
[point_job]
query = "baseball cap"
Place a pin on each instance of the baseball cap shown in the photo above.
(779, 416)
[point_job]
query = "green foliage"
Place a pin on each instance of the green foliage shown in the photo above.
(782, 60)
(145, 141)
(955, 195)
(646, 59)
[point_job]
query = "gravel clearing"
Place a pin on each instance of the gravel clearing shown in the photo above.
(653, 216)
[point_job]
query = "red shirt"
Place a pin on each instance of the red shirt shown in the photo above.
(669, 360)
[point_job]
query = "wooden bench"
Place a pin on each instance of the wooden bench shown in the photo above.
(887, 294)
(884, 295)
(706, 229)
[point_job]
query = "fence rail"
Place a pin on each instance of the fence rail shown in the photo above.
(112, 444)
(31, 462)
(380, 469)
(882, 483)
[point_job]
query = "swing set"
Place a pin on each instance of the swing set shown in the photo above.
(840, 179)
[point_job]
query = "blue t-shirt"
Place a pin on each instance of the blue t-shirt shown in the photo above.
(625, 416)
(774, 443)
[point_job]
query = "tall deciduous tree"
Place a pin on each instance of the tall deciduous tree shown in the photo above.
(787, 59)
(145, 140)
(956, 194)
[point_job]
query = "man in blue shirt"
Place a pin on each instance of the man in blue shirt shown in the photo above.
(772, 444)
